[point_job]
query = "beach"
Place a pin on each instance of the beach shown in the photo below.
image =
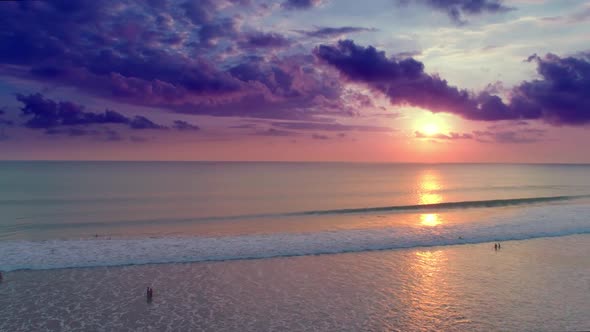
(531, 285)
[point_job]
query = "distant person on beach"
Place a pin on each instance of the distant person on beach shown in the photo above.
(499, 245)
(495, 246)
(149, 293)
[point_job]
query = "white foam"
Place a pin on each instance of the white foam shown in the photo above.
(528, 223)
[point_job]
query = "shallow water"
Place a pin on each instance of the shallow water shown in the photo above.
(533, 285)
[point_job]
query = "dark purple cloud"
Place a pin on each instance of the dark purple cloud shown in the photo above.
(273, 78)
(44, 113)
(301, 4)
(403, 81)
(265, 40)
(89, 46)
(100, 134)
(6, 122)
(177, 56)
(72, 132)
(141, 122)
(210, 32)
(559, 97)
(199, 12)
(275, 132)
(327, 32)
(458, 9)
(185, 126)
(328, 126)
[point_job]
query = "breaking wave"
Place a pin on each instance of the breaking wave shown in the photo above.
(533, 222)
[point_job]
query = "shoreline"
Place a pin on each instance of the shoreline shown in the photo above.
(56, 254)
(227, 260)
(533, 284)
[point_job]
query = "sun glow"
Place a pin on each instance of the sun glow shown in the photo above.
(430, 129)
(431, 125)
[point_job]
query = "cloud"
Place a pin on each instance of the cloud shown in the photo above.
(4, 121)
(458, 9)
(138, 139)
(100, 134)
(327, 32)
(141, 122)
(211, 32)
(265, 40)
(178, 56)
(403, 81)
(243, 126)
(559, 97)
(301, 4)
(275, 132)
(73, 132)
(450, 136)
(328, 126)
(320, 137)
(510, 136)
(531, 135)
(184, 126)
(44, 113)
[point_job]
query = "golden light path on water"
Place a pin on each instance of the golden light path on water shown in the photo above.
(429, 185)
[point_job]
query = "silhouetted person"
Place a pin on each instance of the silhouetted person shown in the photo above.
(495, 246)
(499, 246)
(149, 294)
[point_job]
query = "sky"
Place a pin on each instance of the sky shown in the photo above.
(296, 80)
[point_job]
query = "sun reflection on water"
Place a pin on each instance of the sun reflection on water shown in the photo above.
(429, 185)
(430, 268)
(430, 219)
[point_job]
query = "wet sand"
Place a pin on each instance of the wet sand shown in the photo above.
(541, 285)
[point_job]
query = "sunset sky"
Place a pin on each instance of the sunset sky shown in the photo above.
(296, 80)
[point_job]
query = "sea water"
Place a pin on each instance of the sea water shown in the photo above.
(84, 214)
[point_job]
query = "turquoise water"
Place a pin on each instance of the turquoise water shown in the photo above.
(193, 211)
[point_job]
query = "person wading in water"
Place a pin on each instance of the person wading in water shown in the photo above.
(149, 294)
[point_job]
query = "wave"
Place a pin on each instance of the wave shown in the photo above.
(540, 221)
(446, 205)
(365, 210)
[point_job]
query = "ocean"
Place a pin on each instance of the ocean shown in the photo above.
(119, 213)
(325, 246)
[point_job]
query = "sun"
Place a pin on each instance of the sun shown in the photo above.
(430, 129)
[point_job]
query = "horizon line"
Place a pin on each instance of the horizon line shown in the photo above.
(296, 162)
